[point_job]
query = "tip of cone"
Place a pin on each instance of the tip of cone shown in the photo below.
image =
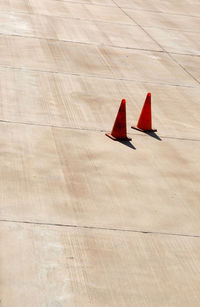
(149, 94)
(123, 100)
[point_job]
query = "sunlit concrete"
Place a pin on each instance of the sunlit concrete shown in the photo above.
(92, 103)
(84, 220)
(187, 8)
(76, 31)
(185, 42)
(67, 9)
(64, 176)
(65, 57)
(191, 64)
(88, 267)
(165, 21)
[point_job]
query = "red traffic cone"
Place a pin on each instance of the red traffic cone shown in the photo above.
(119, 128)
(144, 122)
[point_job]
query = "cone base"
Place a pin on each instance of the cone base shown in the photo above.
(117, 139)
(136, 128)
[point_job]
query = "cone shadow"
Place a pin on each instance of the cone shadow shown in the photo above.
(127, 143)
(153, 135)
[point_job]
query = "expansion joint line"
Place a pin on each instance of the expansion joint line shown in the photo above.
(155, 41)
(146, 232)
(95, 44)
(25, 69)
(92, 129)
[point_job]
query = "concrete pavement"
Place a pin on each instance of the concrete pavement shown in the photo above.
(86, 221)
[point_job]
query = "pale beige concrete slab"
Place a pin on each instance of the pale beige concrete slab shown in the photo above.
(165, 21)
(82, 178)
(39, 54)
(93, 2)
(141, 65)
(58, 266)
(183, 7)
(66, 176)
(190, 63)
(176, 41)
(67, 9)
(76, 30)
(150, 5)
(67, 57)
(92, 103)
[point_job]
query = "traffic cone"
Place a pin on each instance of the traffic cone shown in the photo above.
(144, 123)
(119, 128)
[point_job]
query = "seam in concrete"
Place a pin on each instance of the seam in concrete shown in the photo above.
(83, 43)
(25, 69)
(128, 8)
(99, 45)
(180, 65)
(68, 17)
(97, 21)
(92, 130)
(85, 3)
(147, 33)
(159, 12)
(100, 228)
(171, 29)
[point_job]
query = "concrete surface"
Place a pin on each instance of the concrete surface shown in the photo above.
(86, 221)
(91, 32)
(93, 267)
(67, 177)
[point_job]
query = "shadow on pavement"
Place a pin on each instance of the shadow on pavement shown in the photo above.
(153, 135)
(128, 143)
